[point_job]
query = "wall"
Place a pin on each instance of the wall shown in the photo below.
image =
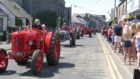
(68, 15)
(133, 5)
(35, 6)
(122, 9)
(11, 18)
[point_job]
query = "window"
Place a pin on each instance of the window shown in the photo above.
(1, 24)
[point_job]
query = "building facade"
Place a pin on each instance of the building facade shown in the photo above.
(35, 6)
(128, 7)
(67, 15)
(9, 12)
(133, 7)
(122, 9)
(112, 13)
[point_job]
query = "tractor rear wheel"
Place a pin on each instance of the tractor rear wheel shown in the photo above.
(72, 40)
(37, 62)
(90, 34)
(78, 36)
(82, 34)
(3, 60)
(21, 62)
(54, 51)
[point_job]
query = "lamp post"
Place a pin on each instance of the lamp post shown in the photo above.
(115, 9)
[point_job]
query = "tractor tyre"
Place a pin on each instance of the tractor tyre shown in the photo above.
(37, 62)
(82, 34)
(3, 60)
(72, 40)
(90, 34)
(54, 51)
(78, 36)
(21, 62)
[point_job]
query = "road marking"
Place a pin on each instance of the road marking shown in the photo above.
(112, 66)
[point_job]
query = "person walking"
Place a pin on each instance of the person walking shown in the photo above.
(117, 29)
(109, 31)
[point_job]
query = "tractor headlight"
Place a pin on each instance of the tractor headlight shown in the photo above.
(30, 42)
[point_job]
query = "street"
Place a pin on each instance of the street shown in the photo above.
(85, 61)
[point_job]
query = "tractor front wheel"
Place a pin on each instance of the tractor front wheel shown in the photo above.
(37, 61)
(54, 51)
(3, 60)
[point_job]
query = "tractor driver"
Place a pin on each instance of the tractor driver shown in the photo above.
(37, 24)
(43, 27)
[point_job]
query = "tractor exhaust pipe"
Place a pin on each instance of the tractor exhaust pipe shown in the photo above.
(30, 27)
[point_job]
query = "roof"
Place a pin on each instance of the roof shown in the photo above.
(2, 13)
(15, 9)
(76, 19)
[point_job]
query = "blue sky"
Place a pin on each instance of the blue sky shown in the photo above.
(91, 6)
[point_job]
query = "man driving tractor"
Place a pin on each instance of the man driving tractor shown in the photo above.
(37, 24)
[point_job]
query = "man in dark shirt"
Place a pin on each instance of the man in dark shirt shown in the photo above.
(117, 36)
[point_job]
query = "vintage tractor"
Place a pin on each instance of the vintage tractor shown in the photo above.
(78, 32)
(68, 34)
(86, 30)
(31, 45)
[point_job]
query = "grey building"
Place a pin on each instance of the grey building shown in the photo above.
(67, 15)
(9, 12)
(35, 6)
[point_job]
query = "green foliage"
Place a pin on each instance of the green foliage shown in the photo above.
(48, 18)
(18, 21)
(115, 20)
(131, 18)
(58, 21)
(138, 16)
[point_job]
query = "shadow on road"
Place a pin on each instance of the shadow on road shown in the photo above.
(8, 72)
(68, 46)
(49, 71)
(61, 57)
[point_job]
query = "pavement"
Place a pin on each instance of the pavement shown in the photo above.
(127, 70)
(6, 46)
(92, 58)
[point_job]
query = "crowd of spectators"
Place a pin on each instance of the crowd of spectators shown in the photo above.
(124, 36)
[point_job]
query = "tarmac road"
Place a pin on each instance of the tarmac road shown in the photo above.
(85, 61)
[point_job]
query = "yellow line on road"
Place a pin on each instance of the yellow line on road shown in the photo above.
(112, 66)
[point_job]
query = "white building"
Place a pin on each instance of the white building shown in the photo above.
(112, 14)
(133, 6)
(9, 10)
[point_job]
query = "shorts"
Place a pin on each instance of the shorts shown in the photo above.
(127, 44)
(138, 48)
(117, 39)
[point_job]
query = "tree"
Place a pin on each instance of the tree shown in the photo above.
(138, 16)
(18, 21)
(131, 18)
(48, 18)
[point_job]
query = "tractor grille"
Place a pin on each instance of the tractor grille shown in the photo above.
(18, 44)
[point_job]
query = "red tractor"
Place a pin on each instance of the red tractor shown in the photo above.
(32, 44)
(86, 30)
